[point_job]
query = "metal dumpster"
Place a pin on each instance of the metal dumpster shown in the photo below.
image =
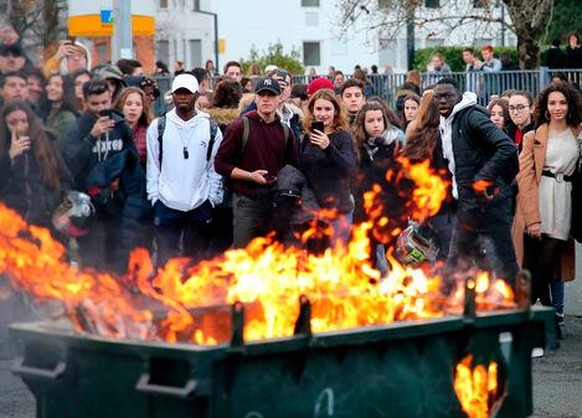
(404, 369)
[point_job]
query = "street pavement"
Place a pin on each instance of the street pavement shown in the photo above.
(557, 377)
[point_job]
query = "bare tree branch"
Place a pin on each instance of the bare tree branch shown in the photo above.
(387, 18)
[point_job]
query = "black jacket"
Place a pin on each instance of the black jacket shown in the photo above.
(108, 169)
(555, 58)
(330, 172)
(483, 152)
(24, 190)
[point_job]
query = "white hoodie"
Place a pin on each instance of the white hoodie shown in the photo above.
(183, 183)
(469, 99)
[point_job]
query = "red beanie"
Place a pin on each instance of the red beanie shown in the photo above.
(318, 84)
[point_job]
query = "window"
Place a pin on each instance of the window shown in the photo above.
(163, 4)
(195, 52)
(388, 52)
(432, 4)
(311, 18)
(311, 53)
(309, 3)
(434, 42)
(163, 51)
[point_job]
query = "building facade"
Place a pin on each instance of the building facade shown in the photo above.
(310, 26)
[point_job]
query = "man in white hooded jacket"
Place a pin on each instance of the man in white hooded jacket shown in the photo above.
(182, 184)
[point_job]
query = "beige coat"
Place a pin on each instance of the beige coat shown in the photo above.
(531, 164)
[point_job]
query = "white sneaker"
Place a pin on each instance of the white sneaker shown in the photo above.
(537, 352)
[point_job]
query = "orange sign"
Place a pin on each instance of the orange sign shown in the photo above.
(90, 25)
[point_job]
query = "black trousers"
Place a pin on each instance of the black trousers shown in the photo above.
(542, 259)
(192, 227)
(490, 246)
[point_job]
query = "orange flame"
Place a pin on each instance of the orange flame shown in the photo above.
(430, 190)
(477, 389)
(191, 303)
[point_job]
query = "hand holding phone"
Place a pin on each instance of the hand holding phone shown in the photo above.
(317, 125)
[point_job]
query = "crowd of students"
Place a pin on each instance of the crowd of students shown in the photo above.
(251, 156)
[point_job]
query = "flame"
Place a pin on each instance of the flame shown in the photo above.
(477, 388)
(430, 190)
(192, 303)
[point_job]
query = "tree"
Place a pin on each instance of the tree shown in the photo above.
(275, 55)
(565, 18)
(39, 23)
(387, 19)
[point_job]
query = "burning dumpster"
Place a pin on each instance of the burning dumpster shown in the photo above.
(271, 331)
(406, 369)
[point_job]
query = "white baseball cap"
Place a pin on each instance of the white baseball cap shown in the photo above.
(185, 81)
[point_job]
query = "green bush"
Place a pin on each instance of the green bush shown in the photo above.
(454, 56)
(274, 55)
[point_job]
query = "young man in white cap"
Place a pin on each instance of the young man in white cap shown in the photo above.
(181, 182)
(252, 160)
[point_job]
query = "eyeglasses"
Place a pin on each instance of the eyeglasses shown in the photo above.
(519, 108)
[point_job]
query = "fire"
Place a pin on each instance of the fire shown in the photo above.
(192, 303)
(477, 388)
(430, 190)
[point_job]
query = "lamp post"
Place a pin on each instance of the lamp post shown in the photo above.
(501, 5)
(122, 40)
(215, 16)
(410, 47)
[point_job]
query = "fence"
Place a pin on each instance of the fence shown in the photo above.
(484, 84)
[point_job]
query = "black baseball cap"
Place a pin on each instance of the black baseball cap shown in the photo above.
(268, 84)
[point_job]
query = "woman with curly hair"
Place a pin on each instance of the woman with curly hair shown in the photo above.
(544, 220)
(32, 173)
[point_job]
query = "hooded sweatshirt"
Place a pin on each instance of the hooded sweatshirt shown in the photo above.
(266, 149)
(183, 183)
(469, 99)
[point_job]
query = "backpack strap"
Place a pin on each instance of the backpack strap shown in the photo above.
(213, 131)
(245, 135)
(161, 128)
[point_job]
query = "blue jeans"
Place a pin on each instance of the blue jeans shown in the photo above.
(193, 227)
(557, 291)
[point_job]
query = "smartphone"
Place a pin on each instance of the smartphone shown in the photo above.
(317, 125)
(106, 112)
(72, 39)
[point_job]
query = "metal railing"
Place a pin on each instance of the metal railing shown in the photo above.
(484, 85)
(388, 85)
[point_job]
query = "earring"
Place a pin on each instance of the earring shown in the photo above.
(547, 115)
